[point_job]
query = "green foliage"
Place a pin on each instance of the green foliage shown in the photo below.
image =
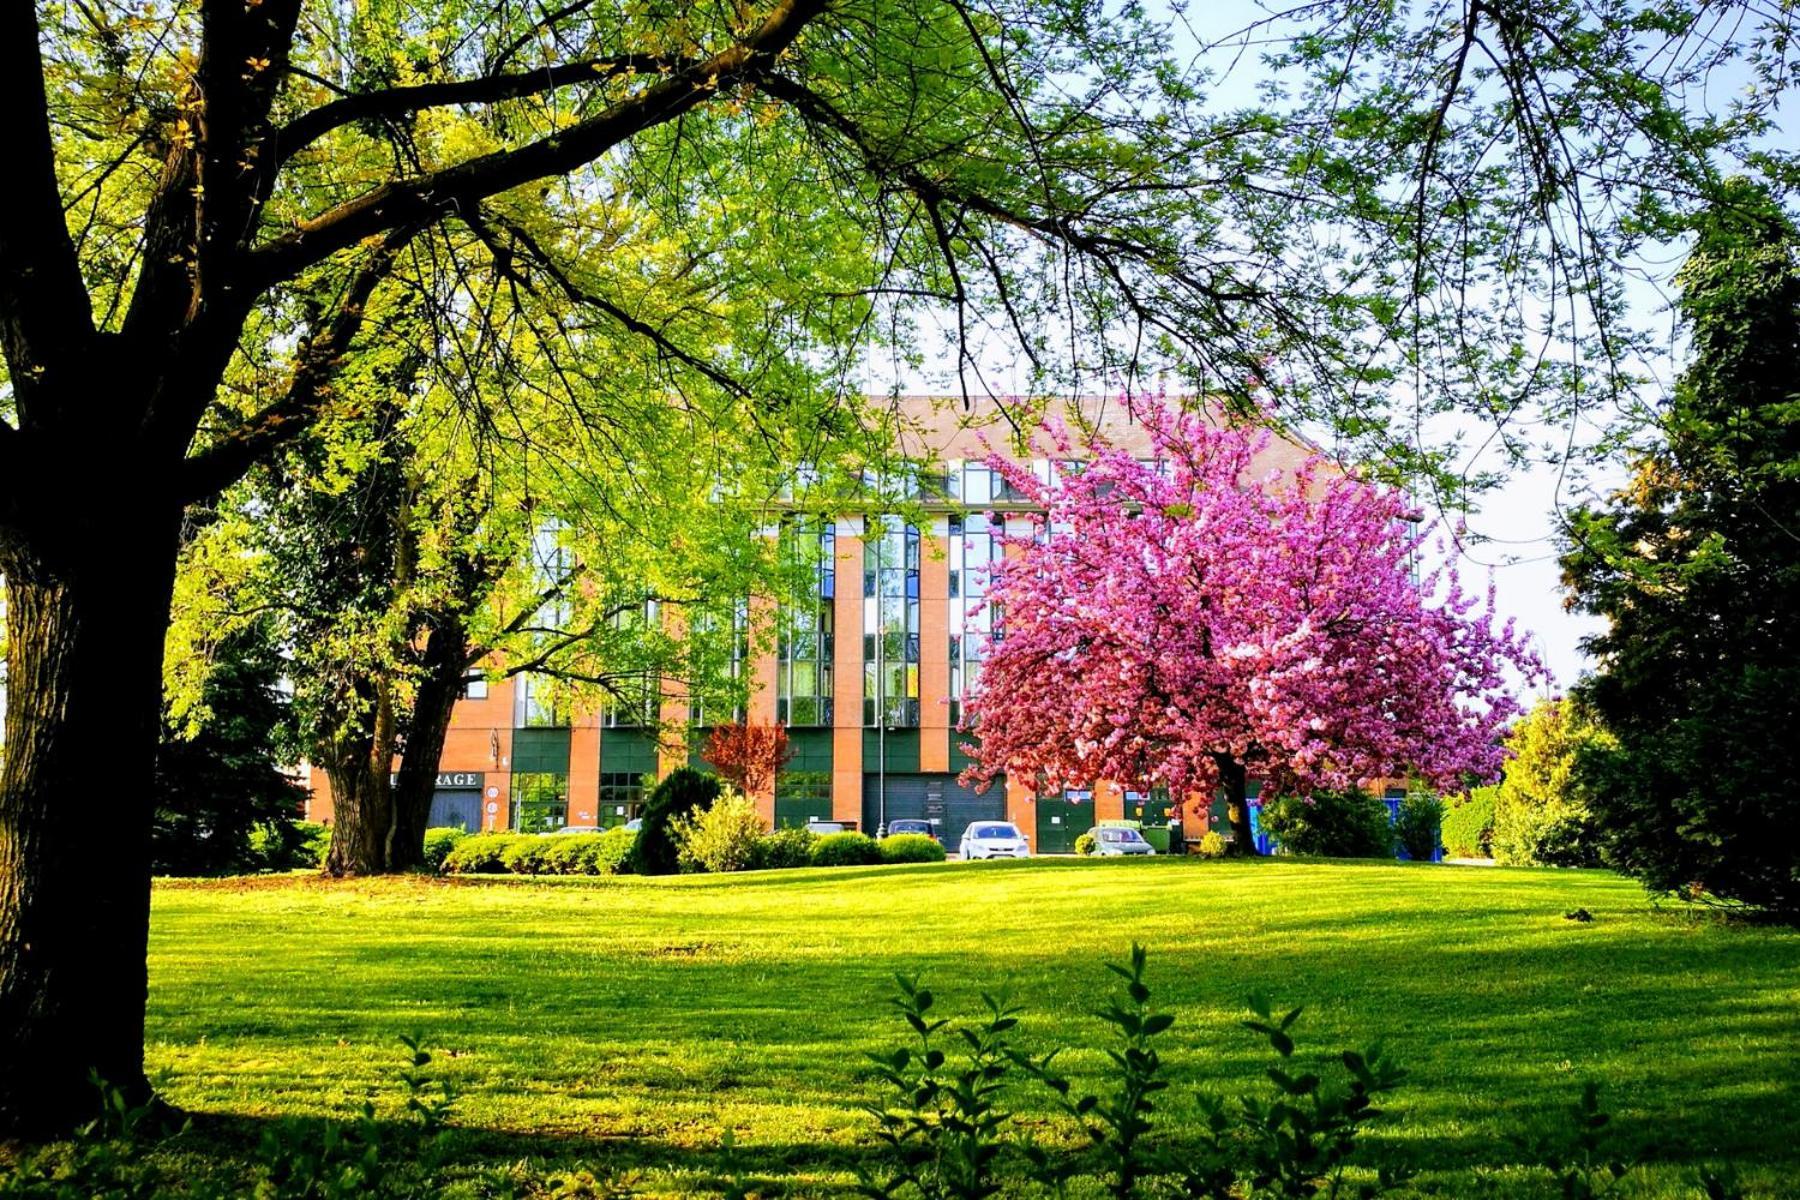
(1418, 823)
(847, 849)
(289, 845)
(682, 791)
(911, 848)
(571, 853)
(439, 843)
(1085, 844)
(1350, 824)
(720, 837)
(942, 1125)
(482, 853)
(1695, 566)
(218, 771)
(784, 848)
(1469, 824)
(1212, 845)
(1541, 815)
(529, 853)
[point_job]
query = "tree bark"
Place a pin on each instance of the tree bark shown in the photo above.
(87, 610)
(1235, 780)
(446, 664)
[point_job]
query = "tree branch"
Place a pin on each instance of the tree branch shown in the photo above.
(430, 197)
(319, 359)
(309, 127)
(46, 317)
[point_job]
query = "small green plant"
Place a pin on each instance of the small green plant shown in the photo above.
(438, 845)
(1583, 1165)
(911, 848)
(942, 1129)
(785, 848)
(1212, 845)
(846, 850)
(720, 837)
(1085, 844)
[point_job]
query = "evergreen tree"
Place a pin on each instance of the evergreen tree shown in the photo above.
(218, 775)
(1696, 567)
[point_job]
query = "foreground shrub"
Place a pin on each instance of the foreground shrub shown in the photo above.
(1349, 824)
(570, 853)
(681, 792)
(1417, 823)
(911, 848)
(529, 854)
(481, 854)
(783, 849)
(1468, 830)
(439, 843)
(289, 845)
(1085, 844)
(1212, 845)
(846, 850)
(720, 837)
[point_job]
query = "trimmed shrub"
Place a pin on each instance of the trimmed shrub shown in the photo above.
(570, 853)
(783, 849)
(1417, 823)
(1349, 824)
(610, 853)
(846, 850)
(439, 843)
(911, 848)
(481, 854)
(1212, 845)
(720, 837)
(529, 854)
(1468, 830)
(1085, 844)
(682, 792)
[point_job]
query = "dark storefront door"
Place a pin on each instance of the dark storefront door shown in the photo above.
(458, 807)
(1060, 820)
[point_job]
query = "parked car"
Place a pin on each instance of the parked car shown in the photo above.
(824, 827)
(1115, 842)
(909, 825)
(994, 839)
(633, 825)
(577, 829)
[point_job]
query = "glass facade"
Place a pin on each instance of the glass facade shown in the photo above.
(974, 549)
(533, 707)
(540, 800)
(635, 696)
(621, 797)
(710, 626)
(890, 623)
(807, 639)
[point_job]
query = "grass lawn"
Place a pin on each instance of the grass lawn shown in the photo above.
(630, 1023)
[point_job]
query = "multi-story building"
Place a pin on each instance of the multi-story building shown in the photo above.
(869, 685)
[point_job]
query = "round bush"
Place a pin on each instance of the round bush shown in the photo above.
(783, 849)
(911, 848)
(720, 837)
(481, 854)
(439, 843)
(1085, 844)
(1349, 824)
(1212, 845)
(682, 792)
(846, 850)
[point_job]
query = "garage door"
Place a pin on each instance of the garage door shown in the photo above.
(459, 807)
(932, 797)
(1061, 819)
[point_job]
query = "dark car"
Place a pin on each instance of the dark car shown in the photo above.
(909, 825)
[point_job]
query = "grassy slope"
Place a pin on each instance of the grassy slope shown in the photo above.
(639, 1019)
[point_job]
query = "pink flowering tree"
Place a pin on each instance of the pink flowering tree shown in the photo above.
(1210, 617)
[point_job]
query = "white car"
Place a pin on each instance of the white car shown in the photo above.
(994, 839)
(1111, 841)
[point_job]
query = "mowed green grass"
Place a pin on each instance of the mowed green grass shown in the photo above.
(630, 1023)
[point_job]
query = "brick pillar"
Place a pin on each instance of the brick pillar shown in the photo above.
(847, 676)
(934, 647)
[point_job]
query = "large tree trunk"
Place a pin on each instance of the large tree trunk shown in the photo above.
(362, 817)
(1235, 780)
(446, 662)
(87, 610)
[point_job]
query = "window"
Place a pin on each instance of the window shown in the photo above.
(974, 549)
(807, 637)
(540, 801)
(712, 625)
(890, 623)
(475, 686)
(533, 707)
(621, 798)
